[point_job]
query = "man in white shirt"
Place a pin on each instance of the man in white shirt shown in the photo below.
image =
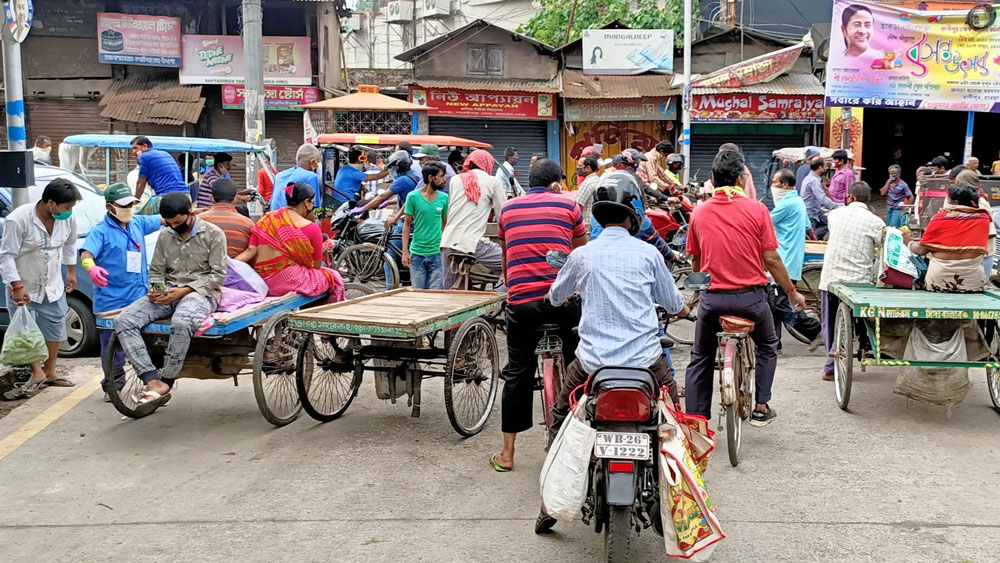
(37, 241)
(851, 256)
(585, 196)
(42, 151)
(472, 195)
(505, 173)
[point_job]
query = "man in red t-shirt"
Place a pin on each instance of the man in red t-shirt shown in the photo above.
(530, 226)
(731, 237)
(265, 183)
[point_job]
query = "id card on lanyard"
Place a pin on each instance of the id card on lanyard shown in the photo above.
(133, 256)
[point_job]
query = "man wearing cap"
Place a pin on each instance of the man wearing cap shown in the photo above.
(429, 153)
(114, 256)
(802, 172)
(843, 178)
(939, 165)
(217, 166)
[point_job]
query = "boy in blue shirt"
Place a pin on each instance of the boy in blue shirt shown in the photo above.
(347, 185)
(114, 256)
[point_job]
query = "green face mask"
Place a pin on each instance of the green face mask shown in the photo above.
(63, 215)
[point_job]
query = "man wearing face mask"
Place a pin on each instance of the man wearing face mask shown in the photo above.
(185, 277)
(157, 169)
(791, 223)
(37, 241)
(306, 163)
(404, 181)
(42, 151)
(114, 256)
(348, 185)
(217, 167)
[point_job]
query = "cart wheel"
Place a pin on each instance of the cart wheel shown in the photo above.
(470, 381)
(274, 371)
(355, 290)
(993, 374)
(368, 265)
(127, 383)
(326, 377)
(843, 346)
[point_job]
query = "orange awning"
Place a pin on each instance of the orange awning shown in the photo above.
(365, 100)
(415, 140)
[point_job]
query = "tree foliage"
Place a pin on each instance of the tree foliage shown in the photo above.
(549, 24)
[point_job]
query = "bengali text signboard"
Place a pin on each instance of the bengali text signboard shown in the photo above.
(275, 97)
(662, 108)
(743, 108)
(480, 103)
(885, 56)
(218, 59)
(138, 40)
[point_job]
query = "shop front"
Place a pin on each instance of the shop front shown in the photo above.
(523, 120)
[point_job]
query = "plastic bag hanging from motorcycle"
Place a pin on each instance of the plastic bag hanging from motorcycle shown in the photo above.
(684, 501)
(563, 481)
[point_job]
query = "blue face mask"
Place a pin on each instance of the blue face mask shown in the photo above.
(394, 174)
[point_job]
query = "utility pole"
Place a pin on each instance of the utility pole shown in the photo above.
(253, 99)
(686, 98)
(16, 133)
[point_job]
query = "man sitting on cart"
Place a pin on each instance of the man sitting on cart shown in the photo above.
(186, 277)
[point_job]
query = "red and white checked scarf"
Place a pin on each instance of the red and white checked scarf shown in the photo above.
(484, 161)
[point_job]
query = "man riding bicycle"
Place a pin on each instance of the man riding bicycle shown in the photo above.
(732, 238)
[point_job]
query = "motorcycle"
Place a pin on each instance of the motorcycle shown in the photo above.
(348, 229)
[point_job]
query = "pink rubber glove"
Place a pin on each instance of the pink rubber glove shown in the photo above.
(98, 275)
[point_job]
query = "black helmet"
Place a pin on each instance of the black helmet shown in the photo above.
(632, 157)
(400, 161)
(675, 161)
(617, 192)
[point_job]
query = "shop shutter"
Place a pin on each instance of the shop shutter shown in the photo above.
(285, 127)
(228, 124)
(58, 119)
(756, 149)
(529, 136)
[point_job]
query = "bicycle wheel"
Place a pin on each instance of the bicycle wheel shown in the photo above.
(843, 347)
(471, 376)
(326, 377)
(808, 286)
(367, 264)
(550, 369)
(736, 412)
(682, 330)
(127, 384)
(274, 371)
(993, 374)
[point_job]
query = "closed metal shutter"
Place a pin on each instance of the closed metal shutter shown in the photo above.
(228, 124)
(529, 136)
(58, 119)
(756, 149)
(285, 127)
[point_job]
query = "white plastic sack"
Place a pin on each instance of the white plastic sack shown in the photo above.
(563, 481)
(937, 386)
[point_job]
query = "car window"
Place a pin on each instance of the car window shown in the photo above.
(87, 212)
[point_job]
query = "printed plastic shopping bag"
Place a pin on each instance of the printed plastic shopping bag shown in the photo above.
(691, 529)
(564, 474)
(699, 439)
(24, 343)
(897, 268)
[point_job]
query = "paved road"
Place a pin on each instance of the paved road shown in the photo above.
(207, 479)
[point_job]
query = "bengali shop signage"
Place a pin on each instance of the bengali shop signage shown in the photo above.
(138, 40)
(481, 103)
(663, 108)
(743, 108)
(275, 97)
(884, 56)
(218, 59)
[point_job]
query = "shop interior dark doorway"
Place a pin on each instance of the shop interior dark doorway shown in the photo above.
(917, 135)
(985, 141)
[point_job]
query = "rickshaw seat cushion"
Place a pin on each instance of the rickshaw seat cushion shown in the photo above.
(735, 324)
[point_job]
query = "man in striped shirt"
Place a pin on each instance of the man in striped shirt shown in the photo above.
(223, 214)
(529, 227)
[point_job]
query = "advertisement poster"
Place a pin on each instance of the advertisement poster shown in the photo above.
(628, 51)
(884, 56)
(663, 108)
(19, 15)
(745, 108)
(138, 40)
(480, 103)
(218, 59)
(286, 98)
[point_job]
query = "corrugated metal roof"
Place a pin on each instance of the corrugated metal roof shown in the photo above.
(591, 87)
(499, 84)
(152, 100)
(803, 84)
(412, 55)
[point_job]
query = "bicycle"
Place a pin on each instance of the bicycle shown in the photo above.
(370, 263)
(549, 373)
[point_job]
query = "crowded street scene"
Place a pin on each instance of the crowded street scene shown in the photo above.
(536, 280)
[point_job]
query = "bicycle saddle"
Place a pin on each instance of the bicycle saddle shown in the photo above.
(548, 328)
(736, 324)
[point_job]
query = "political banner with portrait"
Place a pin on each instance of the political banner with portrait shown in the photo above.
(892, 57)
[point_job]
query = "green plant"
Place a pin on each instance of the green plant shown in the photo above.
(549, 25)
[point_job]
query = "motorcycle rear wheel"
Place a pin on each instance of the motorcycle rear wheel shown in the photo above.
(618, 534)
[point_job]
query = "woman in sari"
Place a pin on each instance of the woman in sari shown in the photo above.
(970, 177)
(956, 240)
(286, 247)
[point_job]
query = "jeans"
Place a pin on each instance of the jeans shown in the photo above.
(426, 271)
(894, 218)
(185, 315)
(119, 360)
(700, 376)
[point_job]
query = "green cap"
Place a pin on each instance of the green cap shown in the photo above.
(119, 193)
(428, 150)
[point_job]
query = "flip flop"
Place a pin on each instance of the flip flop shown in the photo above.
(497, 467)
(59, 382)
(25, 391)
(146, 407)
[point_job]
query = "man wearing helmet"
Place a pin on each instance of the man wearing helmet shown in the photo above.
(732, 238)
(646, 230)
(653, 170)
(400, 166)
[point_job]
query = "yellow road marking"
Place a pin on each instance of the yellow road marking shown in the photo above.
(47, 417)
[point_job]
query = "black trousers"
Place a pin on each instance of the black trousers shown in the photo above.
(522, 339)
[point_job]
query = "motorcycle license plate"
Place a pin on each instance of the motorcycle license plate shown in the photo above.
(622, 445)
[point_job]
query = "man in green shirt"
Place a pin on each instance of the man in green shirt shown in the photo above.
(425, 213)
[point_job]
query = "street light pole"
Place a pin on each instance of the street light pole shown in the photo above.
(253, 100)
(686, 98)
(16, 133)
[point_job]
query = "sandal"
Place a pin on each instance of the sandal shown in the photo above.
(497, 467)
(59, 382)
(146, 406)
(25, 391)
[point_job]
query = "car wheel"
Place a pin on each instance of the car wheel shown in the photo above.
(81, 329)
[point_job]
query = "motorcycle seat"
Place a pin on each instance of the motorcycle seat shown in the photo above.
(738, 325)
(612, 377)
